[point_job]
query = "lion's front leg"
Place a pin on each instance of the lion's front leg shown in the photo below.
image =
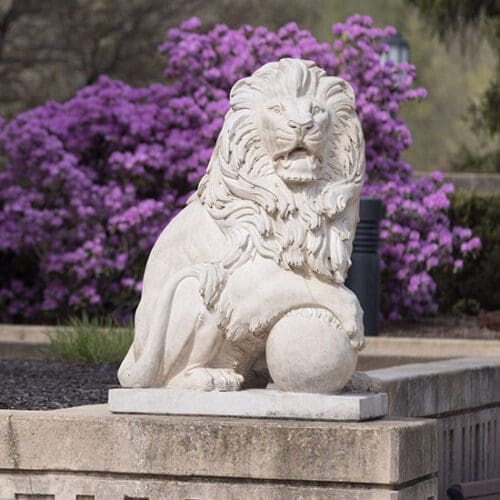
(350, 314)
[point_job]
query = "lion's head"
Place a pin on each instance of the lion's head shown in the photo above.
(292, 116)
(287, 168)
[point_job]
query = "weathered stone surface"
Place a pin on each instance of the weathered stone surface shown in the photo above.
(469, 447)
(26, 334)
(68, 486)
(440, 387)
(24, 341)
(379, 452)
(464, 395)
(428, 348)
(249, 403)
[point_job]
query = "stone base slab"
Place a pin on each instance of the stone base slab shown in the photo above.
(254, 403)
(100, 487)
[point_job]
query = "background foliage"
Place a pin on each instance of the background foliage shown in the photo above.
(50, 49)
(477, 286)
(89, 184)
(86, 340)
(468, 18)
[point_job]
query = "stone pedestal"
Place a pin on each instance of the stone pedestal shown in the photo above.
(91, 453)
(257, 403)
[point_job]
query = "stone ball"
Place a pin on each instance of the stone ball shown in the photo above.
(307, 351)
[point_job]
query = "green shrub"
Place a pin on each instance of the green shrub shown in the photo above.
(479, 282)
(91, 340)
(468, 161)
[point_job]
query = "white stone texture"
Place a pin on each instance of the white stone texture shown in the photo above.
(77, 486)
(258, 403)
(439, 387)
(269, 231)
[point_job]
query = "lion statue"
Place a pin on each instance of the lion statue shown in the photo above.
(269, 231)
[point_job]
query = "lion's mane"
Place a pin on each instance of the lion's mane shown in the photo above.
(303, 227)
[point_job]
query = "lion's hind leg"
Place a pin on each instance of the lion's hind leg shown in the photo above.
(197, 367)
(193, 342)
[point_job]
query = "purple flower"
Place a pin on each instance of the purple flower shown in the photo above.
(89, 183)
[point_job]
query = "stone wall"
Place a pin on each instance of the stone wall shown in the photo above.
(471, 181)
(88, 453)
(464, 396)
(469, 446)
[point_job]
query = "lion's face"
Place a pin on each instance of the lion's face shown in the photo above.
(294, 132)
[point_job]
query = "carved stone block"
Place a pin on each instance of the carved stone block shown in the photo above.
(263, 247)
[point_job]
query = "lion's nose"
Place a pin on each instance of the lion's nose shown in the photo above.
(301, 126)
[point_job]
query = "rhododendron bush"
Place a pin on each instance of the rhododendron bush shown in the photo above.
(88, 184)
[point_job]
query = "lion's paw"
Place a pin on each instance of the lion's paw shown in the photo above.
(361, 382)
(354, 329)
(208, 379)
(224, 379)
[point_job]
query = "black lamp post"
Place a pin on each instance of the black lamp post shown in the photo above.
(399, 50)
(364, 276)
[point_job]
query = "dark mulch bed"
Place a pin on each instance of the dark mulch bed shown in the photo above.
(47, 385)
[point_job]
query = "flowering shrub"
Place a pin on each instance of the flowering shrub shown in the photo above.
(88, 186)
(91, 182)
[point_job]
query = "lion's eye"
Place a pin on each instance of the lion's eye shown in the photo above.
(316, 110)
(276, 108)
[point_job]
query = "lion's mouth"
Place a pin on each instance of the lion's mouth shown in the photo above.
(298, 164)
(294, 154)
